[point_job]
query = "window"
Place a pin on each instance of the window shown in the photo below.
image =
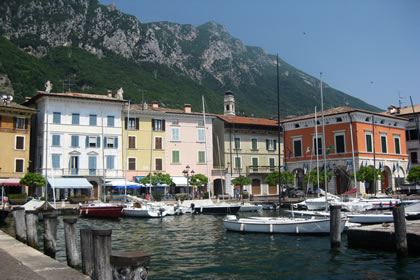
(201, 135)
(340, 144)
(75, 118)
(19, 123)
(158, 164)
(74, 165)
(201, 157)
(238, 163)
(75, 141)
(56, 140)
(92, 166)
(339, 119)
(55, 158)
(131, 163)
(111, 142)
(317, 144)
(297, 147)
(56, 117)
(158, 125)
(255, 164)
(19, 163)
(254, 144)
(175, 133)
(20, 143)
(272, 164)
(413, 157)
(175, 122)
(158, 143)
(132, 123)
(201, 123)
(110, 162)
(131, 142)
(412, 134)
(175, 156)
(270, 144)
(93, 142)
(369, 147)
(397, 145)
(383, 144)
(92, 120)
(110, 121)
(237, 143)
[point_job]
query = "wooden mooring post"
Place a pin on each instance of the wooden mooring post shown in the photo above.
(102, 252)
(335, 226)
(50, 235)
(132, 265)
(70, 238)
(31, 218)
(400, 231)
(86, 248)
(20, 223)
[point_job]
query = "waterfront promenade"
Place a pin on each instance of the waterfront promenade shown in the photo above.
(19, 261)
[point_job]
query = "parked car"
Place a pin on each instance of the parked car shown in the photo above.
(292, 192)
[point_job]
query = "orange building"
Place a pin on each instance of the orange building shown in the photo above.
(353, 138)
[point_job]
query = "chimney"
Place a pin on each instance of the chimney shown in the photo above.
(109, 93)
(27, 98)
(187, 108)
(155, 104)
(145, 106)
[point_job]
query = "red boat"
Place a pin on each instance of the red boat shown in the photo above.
(101, 210)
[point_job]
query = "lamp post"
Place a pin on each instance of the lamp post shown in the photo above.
(187, 174)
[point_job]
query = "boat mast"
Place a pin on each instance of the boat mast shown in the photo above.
(103, 157)
(352, 155)
(278, 129)
(46, 157)
(205, 139)
(126, 152)
(324, 142)
(316, 152)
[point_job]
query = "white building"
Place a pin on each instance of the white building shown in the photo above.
(77, 136)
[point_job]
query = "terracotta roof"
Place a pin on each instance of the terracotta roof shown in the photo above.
(17, 107)
(139, 107)
(75, 95)
(406, 110)
(247, 120)
(336, 111)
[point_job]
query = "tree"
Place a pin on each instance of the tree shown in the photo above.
(157, 179)
(286, 177)
(312, 177)
(198, 180)
(32, 180)
(368, 174)
(241, 181)
(414, 174)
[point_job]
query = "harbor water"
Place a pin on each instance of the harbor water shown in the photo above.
(198, 247)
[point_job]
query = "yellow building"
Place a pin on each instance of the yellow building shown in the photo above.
(15, 127)
(144, 146)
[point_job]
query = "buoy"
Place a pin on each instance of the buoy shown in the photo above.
(242, 227)
(297, 229)
(271, 228)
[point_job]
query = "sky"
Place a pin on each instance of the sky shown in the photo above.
(368, 49)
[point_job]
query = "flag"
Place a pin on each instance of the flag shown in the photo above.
(365, 163)
(285, 167)
(349, 165)
(408, 166)
(305, 168)
(398, 166)
(328, 167)
(393, 167)
(330, 148)
(308, 150)
(361, 164)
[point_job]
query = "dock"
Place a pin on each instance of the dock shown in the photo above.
(19, 261)
(381, 237)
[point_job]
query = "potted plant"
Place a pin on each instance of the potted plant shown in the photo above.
(76, 199)
(18, 198)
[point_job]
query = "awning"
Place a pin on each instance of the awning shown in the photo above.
(121, 183)
(179, 180)
(69, 183)
(128, 187)
(11, 182)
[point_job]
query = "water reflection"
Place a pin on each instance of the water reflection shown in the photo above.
(198, 247)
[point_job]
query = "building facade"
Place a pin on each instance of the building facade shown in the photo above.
(353, 138)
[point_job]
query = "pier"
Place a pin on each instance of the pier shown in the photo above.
(382, 237)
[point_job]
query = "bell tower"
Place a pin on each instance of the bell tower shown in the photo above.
(229, 103)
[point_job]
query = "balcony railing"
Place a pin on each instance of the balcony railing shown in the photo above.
(107, 173)
(260, 169)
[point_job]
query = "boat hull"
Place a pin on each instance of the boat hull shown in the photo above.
(216, 209)
(370, 218)
(280, 225)
(143, 213)
(101, 211)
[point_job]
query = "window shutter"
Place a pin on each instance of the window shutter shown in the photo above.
(163, 125)
(26, 123)
(98, 142)
(153, 125)
(105, 142)
(267, 144)
(0, 122)
(116, 142)
(126, 123)
(87, 141)
(275, 142)
(137, 124)
(14, 122)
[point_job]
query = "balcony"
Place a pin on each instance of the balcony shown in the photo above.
(78, 172)
(260, 169)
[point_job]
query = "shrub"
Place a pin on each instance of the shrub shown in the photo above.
(158, 196)
(181, 196)
(18, 196)
(206, 195)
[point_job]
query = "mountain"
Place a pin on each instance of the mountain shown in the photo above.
(89, 47)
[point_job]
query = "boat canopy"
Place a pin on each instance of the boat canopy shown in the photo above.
(69, 183)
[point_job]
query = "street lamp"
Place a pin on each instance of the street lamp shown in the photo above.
(187, 174)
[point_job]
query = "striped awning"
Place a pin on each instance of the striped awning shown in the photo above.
(69, 183)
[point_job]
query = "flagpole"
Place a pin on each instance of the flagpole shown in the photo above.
(324, 142)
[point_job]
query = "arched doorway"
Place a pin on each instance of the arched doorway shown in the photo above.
(256, 187)
(219, 187)
(299, 178)
(342, 179)
(386, 173)
(95, 189)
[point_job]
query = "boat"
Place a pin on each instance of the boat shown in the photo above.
(217, 209)
(248, 207)
(143, 211)
(279, 225)
(101, 210)
(412, 211)
(371, 218)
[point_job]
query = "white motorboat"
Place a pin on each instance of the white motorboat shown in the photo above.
(144, 211)
(279, 225)
(248, 207)
(371, 218)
